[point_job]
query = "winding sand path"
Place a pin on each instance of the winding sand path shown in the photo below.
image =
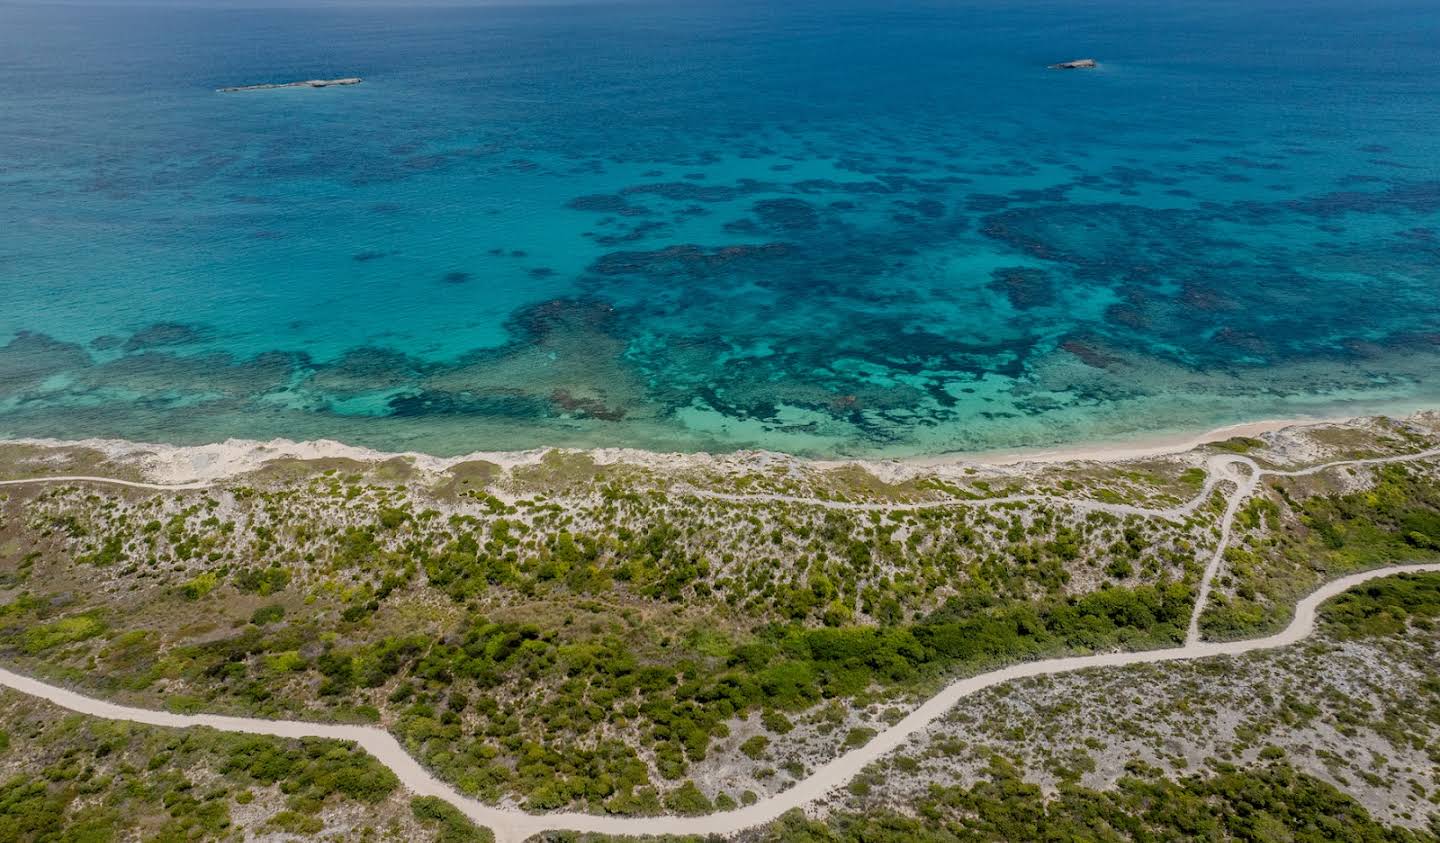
(108, 481)
(512, 825)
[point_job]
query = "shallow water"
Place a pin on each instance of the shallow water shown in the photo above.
(830, 228)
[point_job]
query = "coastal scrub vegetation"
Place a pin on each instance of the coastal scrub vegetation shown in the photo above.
(1272, 802)
(586, 650)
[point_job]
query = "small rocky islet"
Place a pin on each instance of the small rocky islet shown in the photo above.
(308, 83)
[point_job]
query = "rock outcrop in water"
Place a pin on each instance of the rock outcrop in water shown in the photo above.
(1077, 64)
(309, 83)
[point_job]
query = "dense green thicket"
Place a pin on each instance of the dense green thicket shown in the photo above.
(1383, 607)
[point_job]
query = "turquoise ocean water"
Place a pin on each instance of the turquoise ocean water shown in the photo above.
(851, 227)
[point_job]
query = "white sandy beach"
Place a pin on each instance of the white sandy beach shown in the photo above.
(182, 464)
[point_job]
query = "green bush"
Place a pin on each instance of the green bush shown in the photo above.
(267, 614)
(755, 746)
(59, 632)
(776, 721)
(687, 800)
(200, 585)
(262, 581)
(454, 827)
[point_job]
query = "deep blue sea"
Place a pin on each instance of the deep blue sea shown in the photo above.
(855, 227)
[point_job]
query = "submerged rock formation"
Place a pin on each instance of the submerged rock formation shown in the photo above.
(309, 83)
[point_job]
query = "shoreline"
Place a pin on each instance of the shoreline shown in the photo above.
(1156, 445)
(177, 464)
